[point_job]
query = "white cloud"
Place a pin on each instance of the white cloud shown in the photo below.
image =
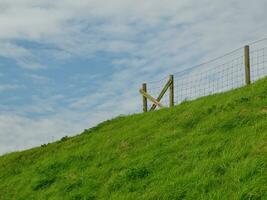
(19, 132)
(38, 78)
(85, 27)
(7, 87)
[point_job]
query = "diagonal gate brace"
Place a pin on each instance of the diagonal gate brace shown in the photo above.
(148, 96)
(164, 90)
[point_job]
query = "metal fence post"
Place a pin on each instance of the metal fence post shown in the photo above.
(144, 87)
(247, 64)
(171, 90)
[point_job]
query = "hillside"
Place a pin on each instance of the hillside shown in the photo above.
(211, 148)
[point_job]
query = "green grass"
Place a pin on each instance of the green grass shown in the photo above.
(211, 148)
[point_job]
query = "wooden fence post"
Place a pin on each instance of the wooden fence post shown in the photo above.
(247, 64)
(144, 87)
(171, 90)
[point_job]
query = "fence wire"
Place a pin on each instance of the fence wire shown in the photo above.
(219, 75)
(258, 60)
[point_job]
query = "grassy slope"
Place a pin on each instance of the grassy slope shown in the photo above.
(211, 148)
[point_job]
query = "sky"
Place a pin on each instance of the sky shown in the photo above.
(67, 65)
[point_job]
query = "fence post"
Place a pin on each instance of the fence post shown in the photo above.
(171, 90)
(144, 87)
(247, 64)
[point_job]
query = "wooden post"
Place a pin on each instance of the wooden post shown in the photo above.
(148, 96)
(247, 64)
(171, 89)
(144, 87)
(163, 91)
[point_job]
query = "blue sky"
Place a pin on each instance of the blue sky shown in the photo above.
(67, 65)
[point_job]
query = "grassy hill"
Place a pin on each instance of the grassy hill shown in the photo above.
(211, 148)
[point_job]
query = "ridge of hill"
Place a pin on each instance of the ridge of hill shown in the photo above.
(214, 147)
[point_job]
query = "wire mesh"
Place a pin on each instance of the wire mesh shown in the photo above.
(258, 60)
(219, 75)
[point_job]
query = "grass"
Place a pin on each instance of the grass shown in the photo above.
(211, 148)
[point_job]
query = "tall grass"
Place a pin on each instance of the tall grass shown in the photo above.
(211, 148)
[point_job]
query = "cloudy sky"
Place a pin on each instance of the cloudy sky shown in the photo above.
(67, 65)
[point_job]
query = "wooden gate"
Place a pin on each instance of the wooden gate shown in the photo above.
(156, 101)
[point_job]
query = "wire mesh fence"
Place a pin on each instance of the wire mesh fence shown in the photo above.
(219, 75)
(258, 60)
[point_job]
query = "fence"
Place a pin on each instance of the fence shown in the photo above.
(233, 70)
